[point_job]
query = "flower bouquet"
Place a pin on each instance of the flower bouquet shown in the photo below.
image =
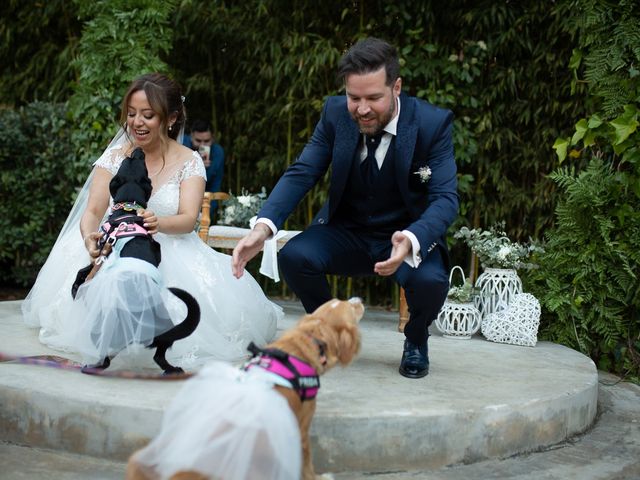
(238, 210)
(495, 250)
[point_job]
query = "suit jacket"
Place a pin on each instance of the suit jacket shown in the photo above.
(424, 139)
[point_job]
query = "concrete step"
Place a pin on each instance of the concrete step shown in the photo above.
(609, 450)
(481, 401)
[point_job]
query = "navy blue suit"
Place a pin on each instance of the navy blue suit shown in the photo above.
(336, 244)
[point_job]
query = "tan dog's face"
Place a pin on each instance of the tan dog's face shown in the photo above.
(342, 317)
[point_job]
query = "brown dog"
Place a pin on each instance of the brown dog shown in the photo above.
(320, 340)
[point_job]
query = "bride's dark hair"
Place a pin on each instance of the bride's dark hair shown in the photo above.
(165, 97)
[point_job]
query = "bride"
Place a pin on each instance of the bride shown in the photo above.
(234, 311)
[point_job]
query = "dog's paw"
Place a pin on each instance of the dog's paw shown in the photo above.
(173, 371)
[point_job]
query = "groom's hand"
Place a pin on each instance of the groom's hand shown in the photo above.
(248, 248)
(401, 246)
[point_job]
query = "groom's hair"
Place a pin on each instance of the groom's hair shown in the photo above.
(370, 55)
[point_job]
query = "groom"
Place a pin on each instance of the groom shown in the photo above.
(393, 194)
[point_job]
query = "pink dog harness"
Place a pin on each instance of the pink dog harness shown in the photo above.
(128, 225)
(302, 376)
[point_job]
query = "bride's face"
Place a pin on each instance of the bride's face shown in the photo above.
(142, 120)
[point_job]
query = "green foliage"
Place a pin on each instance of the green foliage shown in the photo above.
(119, 42)
(39, 41)
(47, 150)
(588, 281)
(609, 53)
(495, 250)
(39, 174)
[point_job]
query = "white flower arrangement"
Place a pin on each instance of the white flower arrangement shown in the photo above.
(238, 210)
(495, 250)
(424, 173)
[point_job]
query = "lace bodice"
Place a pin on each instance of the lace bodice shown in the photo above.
(165, 198)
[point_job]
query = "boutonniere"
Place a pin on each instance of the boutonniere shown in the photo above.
(424, 173)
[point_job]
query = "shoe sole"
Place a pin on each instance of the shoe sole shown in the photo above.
(421, 374)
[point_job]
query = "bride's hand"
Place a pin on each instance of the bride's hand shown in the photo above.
(91, 244)
(150, 221)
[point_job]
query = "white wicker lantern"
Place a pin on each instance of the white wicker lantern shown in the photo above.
(496, 287)
(458, 319)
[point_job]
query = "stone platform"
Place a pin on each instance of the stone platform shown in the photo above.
(481, 401)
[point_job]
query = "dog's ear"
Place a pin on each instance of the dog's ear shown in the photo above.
(114, 185)
(348, 343)
(145, 184)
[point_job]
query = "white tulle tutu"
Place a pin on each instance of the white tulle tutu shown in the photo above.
(135, 310)
(229, 424)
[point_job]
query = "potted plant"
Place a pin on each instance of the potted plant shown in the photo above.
(501, 258)
(459, 317)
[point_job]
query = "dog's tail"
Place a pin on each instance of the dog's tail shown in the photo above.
(184, 328)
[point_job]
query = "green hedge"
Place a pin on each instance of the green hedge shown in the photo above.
(39, 177)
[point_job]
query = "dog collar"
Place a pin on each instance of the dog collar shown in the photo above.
(127, 206)
(302, 376)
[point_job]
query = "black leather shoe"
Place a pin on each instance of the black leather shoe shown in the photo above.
(415, 360)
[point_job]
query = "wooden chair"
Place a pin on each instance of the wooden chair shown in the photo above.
(228, 237)
(205, 212)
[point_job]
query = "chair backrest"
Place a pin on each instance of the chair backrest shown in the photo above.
(205, 212)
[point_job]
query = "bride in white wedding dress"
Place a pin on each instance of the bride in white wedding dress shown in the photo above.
(234, 311)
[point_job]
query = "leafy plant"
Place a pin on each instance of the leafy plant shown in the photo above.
(39, 174)
(238, 210)
(588, 281)
(461, 294)
(495, 250)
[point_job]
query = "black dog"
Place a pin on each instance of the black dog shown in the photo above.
(131, 189)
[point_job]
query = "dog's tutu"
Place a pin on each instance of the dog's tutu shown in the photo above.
(133, 312)
(227, 423)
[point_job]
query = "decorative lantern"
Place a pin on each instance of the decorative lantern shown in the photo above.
(458, 317)
(496, 287)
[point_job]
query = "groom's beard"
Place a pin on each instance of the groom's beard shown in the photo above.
(382, 119)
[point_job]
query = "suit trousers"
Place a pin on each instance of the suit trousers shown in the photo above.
(334, 249)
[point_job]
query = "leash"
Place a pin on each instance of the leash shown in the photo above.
(55, 361)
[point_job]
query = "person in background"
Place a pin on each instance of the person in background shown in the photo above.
(201, 139)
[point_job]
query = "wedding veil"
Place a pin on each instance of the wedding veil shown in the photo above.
(68, 255)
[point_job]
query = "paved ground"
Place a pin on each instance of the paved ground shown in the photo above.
(462, 372)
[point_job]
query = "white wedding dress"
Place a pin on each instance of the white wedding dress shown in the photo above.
(234, 311)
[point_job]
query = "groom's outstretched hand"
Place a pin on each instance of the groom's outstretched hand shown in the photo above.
(401, 246)
(248, 248)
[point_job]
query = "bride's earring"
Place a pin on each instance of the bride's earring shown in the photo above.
(171, 127)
